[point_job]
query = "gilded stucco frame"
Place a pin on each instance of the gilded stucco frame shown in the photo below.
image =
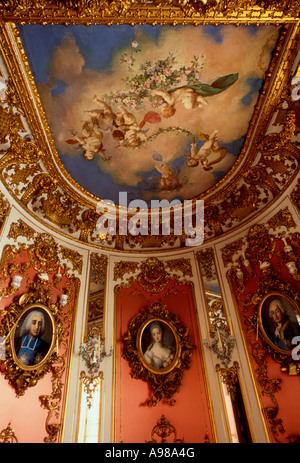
(19, 375)
(166, 381)
(49, 315)
(146, 326)
(151, 12)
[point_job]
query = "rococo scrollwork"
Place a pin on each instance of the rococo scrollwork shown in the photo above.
(158, 348)
(91, 11)
(50, 195)
(164, 430)
(269, 309)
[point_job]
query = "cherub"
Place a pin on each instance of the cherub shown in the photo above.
(187, 96)
(104, 116)
(169, 179)
(128, 130)
(211, 146)
(90, 141)
(125, 120)
(135, 137)
(192, 96)
(133, 133)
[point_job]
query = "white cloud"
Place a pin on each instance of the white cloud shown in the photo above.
(239, 52)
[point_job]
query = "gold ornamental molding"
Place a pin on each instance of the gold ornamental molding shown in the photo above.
(277, 240)
(7, 435)
(54, 266)
(153, 274)
(164, 430)
(55, 197)
(150, 12)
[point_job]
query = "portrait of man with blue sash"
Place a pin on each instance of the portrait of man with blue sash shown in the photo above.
(29, 345)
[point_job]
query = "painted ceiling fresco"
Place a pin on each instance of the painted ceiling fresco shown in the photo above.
(154, 111)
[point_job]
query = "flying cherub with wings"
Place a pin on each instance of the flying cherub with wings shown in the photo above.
(211, 147)
(90, 141)
(191, 96)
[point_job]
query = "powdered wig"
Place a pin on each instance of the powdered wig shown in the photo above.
(27, 322)
(278, 304)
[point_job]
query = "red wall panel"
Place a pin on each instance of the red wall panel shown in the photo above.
(277, 390)
(26, 413)
(190, 415)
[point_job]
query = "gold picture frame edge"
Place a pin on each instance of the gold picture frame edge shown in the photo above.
(261, 325)
(139, 346)
(40, 365)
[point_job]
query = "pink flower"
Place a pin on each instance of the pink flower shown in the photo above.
(134, 44)
(156, 79)
(167, 71)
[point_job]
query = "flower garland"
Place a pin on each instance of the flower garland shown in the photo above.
(150, 75)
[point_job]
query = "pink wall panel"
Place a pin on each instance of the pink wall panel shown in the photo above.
(278, 391)
(190, 414)
(27, 415)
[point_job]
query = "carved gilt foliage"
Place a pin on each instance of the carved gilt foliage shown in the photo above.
(152, 274)
(262, 255)
(163, 11)
(46, 268)
(51, 197)
(164, 382)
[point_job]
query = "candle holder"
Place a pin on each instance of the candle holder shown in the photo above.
(58, 276)
(287, 247)
(16, 281)
(63, 299)
(92, 352)
(293, 270)
(43, 277)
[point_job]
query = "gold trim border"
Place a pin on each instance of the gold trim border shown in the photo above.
(280, 80)
(149, 12)
(287, 45)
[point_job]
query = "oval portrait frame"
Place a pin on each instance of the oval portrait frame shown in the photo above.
(164, 382)
(141, 342)
(50, 330)
(290, 309)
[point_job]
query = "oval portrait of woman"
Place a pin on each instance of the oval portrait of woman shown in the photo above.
(158, 346)
(280, 321)
(33, 337)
